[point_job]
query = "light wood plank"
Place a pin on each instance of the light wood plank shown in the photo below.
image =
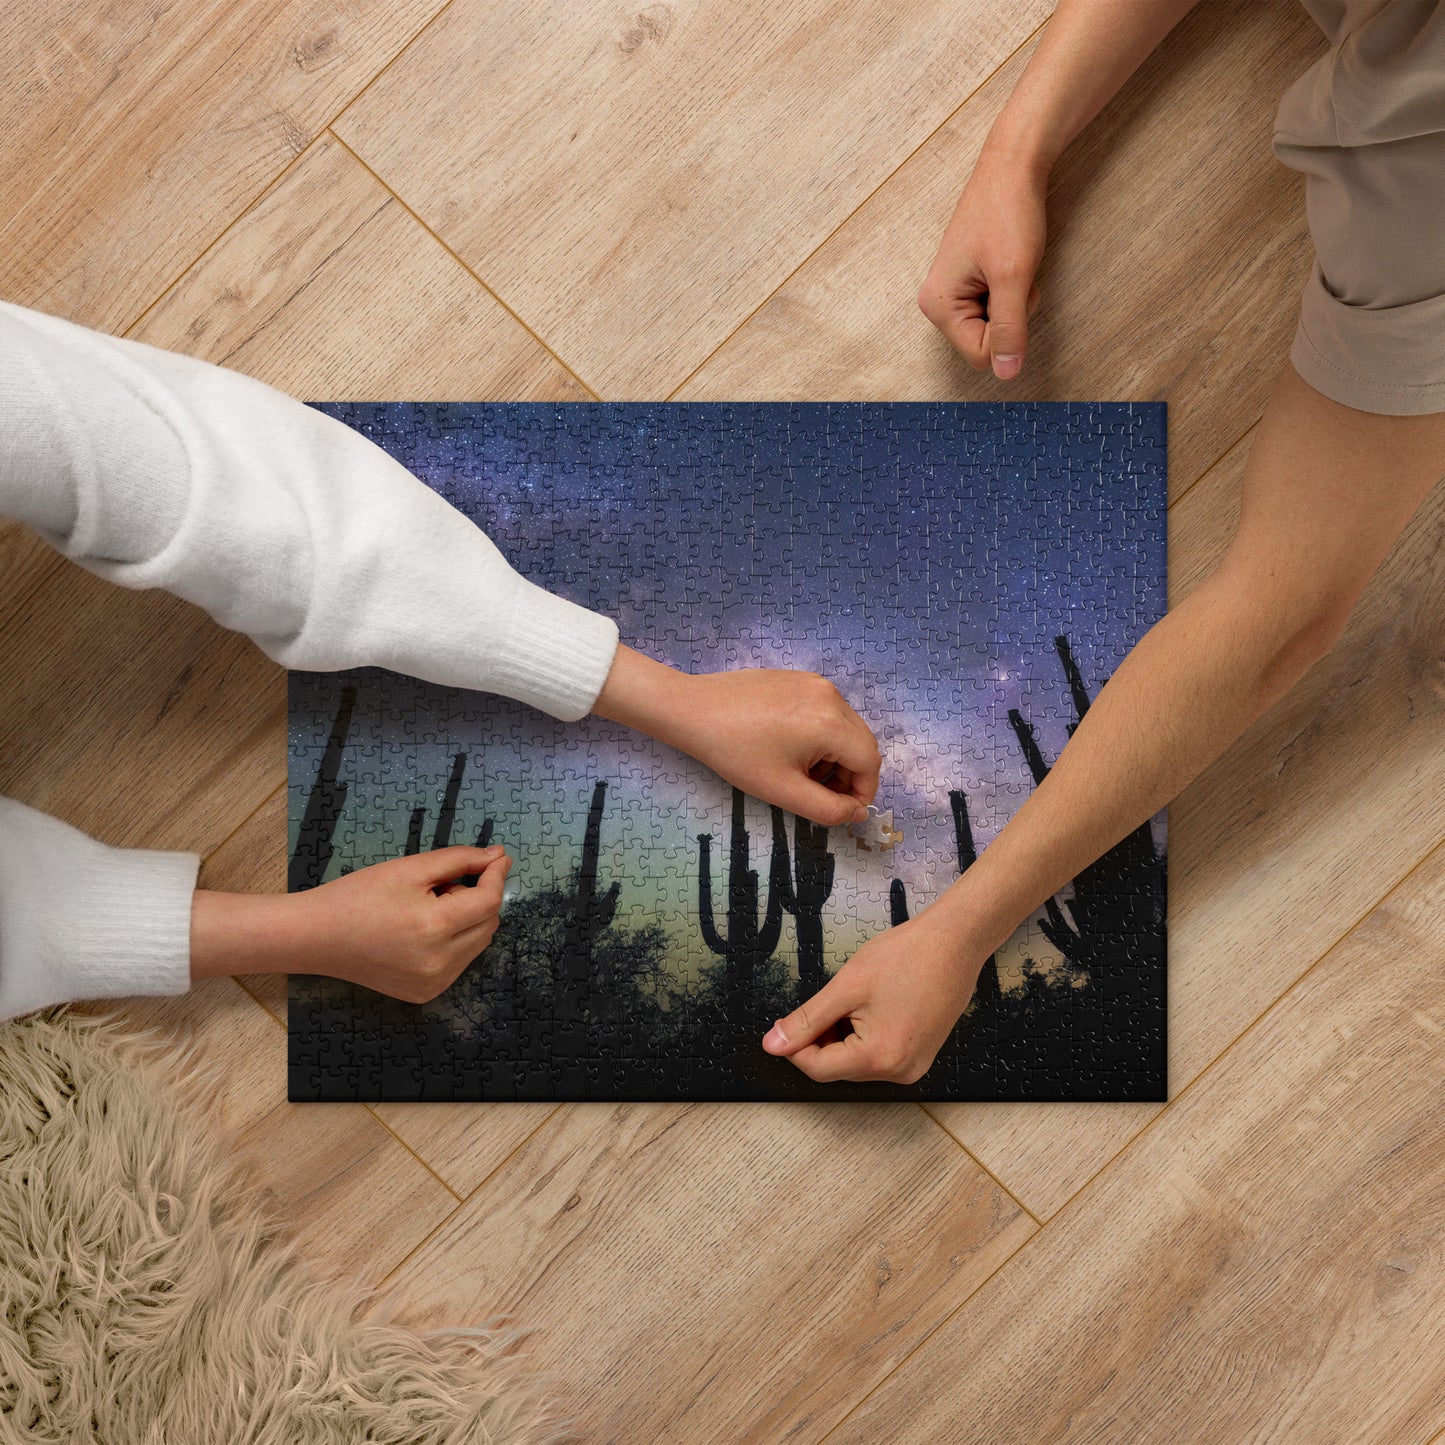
(464, 1144)
(321, 1162)
(1277, 849)
(719, 1272)
(136, 134)
(1177, 252)
(132, 714)
(329, 289)
(25, 563)
(1263, 1265)
(632, 183)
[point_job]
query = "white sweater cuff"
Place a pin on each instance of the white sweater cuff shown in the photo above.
(128, 929)
(79, 919)
(555, 655)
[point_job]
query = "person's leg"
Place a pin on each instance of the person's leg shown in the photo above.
(1327, 490)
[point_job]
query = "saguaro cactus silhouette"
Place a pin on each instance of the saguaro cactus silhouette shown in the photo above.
(1118, 899)
(987, 986)
(805, 895)
(897, 903)
(446, 818)
(1075, 680)
(323, 805)
(590, 911)
(751, 937)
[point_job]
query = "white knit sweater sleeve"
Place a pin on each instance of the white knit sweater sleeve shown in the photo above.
(81, 920)
(156, 470)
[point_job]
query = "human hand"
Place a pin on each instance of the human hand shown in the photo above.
(786, 737)
(980, 289)
(406, 927)
(885, 1014)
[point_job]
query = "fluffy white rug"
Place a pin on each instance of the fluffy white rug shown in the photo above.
(151, 1297)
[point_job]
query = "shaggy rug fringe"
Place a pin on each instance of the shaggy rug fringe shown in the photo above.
(152, 1297)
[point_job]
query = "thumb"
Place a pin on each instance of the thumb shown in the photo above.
(1008, 326)
(832, 1002)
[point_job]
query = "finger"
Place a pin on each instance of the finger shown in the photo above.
(467, 907)
(966, 327)
(446, 865)
(863, 760)
(831, 1003)
(855, 761)
(847, 1058)
(819, 803)
(1008, 325)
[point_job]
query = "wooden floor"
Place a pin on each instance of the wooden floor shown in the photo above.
(707, 200)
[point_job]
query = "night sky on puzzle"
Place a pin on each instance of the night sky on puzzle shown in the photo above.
(922, 556)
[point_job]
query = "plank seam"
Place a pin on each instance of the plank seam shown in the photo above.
(957, 110)
(279, 788)
(471, 1194)
(979, 1162)
(1208, 1068)
(402, 202)
(278, 177)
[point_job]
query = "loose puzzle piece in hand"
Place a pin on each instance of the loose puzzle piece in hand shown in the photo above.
(875, 833)
(968, 574)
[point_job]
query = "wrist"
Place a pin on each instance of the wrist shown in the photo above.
(245, 933)
(961, 926)
(647, 695)
(1017, 145)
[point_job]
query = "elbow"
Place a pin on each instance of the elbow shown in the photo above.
(1312, 638)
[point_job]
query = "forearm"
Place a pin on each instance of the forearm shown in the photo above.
(1327, 491)
(247, 933)
(645, 694)
(1088, 49)
(1192, 685)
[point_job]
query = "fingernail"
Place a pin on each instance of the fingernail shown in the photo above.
(859, 814)
(775, 1038)
(1005, 367)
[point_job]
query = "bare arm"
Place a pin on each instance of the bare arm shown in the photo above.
(980, 288)
(1088, 49)
(1327, 490)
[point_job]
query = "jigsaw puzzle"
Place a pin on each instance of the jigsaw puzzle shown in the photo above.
(968, 574)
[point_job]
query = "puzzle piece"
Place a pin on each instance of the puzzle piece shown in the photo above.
(876, 832)
(967, 574)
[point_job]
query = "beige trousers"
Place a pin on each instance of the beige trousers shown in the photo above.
(1366, 126)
